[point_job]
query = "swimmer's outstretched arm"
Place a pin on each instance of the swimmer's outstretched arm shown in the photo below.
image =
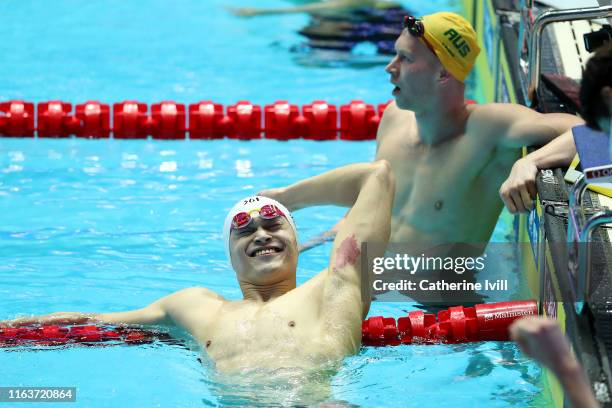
(153, 314)
(50, 319)
(340, 186)
(386, 124)
(307, 8)
(159, 313)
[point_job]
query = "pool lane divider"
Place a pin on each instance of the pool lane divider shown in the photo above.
(53, 335)
(281, 120)
(456, 324)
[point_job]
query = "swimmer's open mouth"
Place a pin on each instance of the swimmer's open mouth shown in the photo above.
(396, 90)
(266, 251)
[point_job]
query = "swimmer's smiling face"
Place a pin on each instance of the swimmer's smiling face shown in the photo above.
(265, 251)
(414, 70)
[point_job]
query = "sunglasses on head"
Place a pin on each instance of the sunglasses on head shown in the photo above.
(414, 26)
(267, 212)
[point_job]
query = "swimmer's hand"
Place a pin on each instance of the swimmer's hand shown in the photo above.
(541, 338)
(278, 194)
(244, 11)
(519, 191)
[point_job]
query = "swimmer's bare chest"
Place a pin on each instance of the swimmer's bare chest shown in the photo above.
(246, 329)
(444, 193)
(286, 332)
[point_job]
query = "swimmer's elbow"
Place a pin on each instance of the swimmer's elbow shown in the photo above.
(384, 174)
(382, 168)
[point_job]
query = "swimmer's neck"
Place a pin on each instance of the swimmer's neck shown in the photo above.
(442, 121)
(265, 293)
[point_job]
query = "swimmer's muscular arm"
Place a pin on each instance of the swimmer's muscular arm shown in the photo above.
(145, 316)
(340, 186)
(369, 220)
(389, 121)
(161, 312)
(515, 126)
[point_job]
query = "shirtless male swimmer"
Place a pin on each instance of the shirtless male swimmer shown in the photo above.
(276, 325)
(449, 157)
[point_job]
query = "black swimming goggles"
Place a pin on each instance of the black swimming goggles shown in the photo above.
(414, 26)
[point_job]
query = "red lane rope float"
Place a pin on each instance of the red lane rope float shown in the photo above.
(281, 120)
(17, 119)
(456, 324)
(68, 335)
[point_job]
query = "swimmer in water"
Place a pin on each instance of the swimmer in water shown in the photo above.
(340, 25)
(276, 325)
(314, 6)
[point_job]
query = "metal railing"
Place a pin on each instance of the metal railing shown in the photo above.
(580, 231)
(580, 228)
(534, 37)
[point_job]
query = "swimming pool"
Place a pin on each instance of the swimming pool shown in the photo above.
(113, 225)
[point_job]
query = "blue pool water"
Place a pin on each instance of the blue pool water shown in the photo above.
(113, 225)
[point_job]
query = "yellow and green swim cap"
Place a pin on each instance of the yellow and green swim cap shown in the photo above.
(453, 40)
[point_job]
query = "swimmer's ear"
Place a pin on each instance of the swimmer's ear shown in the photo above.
(444, 75)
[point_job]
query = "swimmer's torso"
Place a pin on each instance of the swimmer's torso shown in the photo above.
(288, 332)
(445, 193)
